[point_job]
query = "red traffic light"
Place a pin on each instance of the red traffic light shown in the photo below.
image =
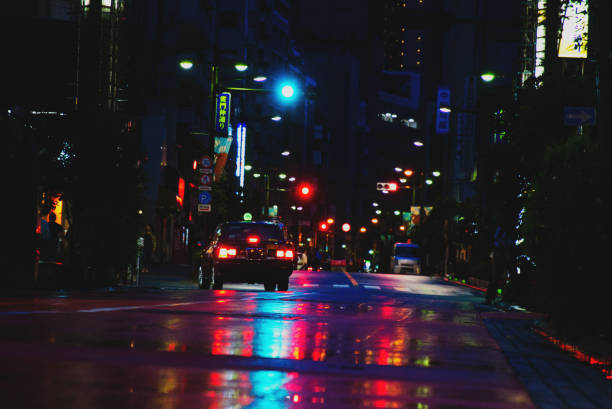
(387, 186)
(304, 191)
(323, 226)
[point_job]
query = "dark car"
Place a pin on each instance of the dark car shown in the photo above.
(247, 252)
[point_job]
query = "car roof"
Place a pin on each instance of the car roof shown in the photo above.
(406, 245)
(253, 222)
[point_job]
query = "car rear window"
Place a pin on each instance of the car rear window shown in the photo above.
(405, 251)
(266, 232)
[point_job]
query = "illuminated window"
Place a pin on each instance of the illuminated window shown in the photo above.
(419, 38)
(418, 63)
(106, 3)
(418, 50)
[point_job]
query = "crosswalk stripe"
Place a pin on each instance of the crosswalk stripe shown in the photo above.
(341, 286)
(310, 285)
(372, 287)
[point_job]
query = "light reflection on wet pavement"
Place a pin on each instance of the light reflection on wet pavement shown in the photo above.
(340, 348)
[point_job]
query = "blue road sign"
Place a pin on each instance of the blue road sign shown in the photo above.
(574, 116)
(204, 198)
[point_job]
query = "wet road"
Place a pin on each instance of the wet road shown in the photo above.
(334, 340)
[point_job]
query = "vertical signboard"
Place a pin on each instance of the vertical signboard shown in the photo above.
(222, 116)
(575, 32)
(443, 118)
(540, 48)
(240, 153)
(223, 137)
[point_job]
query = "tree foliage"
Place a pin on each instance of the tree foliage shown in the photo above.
(567, 229)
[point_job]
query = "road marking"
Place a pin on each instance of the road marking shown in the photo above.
(106, 309)
(354, 282)
(372, 287)
(309, 285)
(341, 286)
(137, 307)
(404, 289)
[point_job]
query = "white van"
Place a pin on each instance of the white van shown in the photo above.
(405, 259)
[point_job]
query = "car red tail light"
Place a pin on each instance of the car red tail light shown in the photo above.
(226, 252)
(252, 239)
(284, 253)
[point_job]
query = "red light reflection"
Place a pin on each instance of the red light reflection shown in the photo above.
(578, 354)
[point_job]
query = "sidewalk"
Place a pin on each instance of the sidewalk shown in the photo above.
(557, 375)
(554, 378)
(169, 277)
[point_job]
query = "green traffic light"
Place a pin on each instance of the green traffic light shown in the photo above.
(287, 91)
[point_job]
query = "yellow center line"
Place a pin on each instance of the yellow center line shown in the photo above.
(351, 279)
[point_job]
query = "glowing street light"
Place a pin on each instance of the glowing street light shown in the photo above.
(240, 66)
(487, 76)
(186, 64)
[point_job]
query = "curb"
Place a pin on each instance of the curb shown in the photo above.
(592, 355)
(482, 288)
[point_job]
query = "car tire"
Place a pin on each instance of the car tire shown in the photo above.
(269, 285)
(216, 282)
(283, 284)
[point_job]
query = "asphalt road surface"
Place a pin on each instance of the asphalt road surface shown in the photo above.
(334, 340)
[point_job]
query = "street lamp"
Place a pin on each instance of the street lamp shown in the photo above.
(488, 76)
(240, 66)
(186, 64)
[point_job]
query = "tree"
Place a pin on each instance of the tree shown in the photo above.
(566, 226)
